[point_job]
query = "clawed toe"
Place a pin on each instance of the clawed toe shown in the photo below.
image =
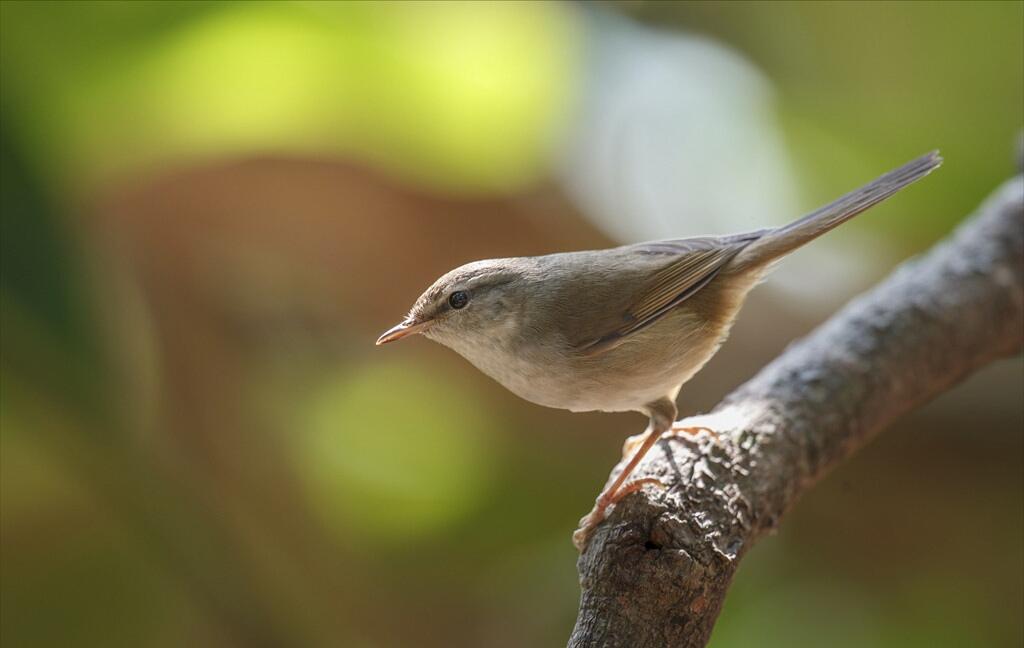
(633, 443)
(692, 430)
(588, 523)
(636, 485)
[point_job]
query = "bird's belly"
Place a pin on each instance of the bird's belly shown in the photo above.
(547, 383)
(652, 364)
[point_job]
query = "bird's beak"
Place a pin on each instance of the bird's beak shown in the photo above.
(407, 327)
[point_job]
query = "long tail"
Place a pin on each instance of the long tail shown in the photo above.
(783, 240)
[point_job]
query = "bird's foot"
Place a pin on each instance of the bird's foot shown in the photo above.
(591, 520)
(692, 430)
(634, 442)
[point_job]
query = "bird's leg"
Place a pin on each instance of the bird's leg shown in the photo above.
(612, 494)
(633, 443)
(662, 414)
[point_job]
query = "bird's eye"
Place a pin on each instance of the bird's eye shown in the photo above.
(458, 299)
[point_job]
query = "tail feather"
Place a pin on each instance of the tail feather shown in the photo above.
(783, 240)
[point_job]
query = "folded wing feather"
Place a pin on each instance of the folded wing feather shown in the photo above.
(696, 262)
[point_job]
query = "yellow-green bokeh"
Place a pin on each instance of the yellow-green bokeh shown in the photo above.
(463, 96)
(392, 452)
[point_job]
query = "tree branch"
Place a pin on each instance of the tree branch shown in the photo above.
(656, 572)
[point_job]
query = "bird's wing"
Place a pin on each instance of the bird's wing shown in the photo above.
(694, 262)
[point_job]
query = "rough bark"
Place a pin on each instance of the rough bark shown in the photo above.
(656, 572)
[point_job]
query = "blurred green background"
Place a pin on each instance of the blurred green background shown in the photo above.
(210, 210)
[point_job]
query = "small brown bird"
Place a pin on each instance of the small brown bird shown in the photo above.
(619, 329)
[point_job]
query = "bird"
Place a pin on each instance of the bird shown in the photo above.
(618, 329)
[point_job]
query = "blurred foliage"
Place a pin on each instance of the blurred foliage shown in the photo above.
(385, 447)
(862, 85)
(198, 446)
(461, 94)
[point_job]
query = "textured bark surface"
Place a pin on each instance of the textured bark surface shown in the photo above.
(656, 572)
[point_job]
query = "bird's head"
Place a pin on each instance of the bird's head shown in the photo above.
(470, 306)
